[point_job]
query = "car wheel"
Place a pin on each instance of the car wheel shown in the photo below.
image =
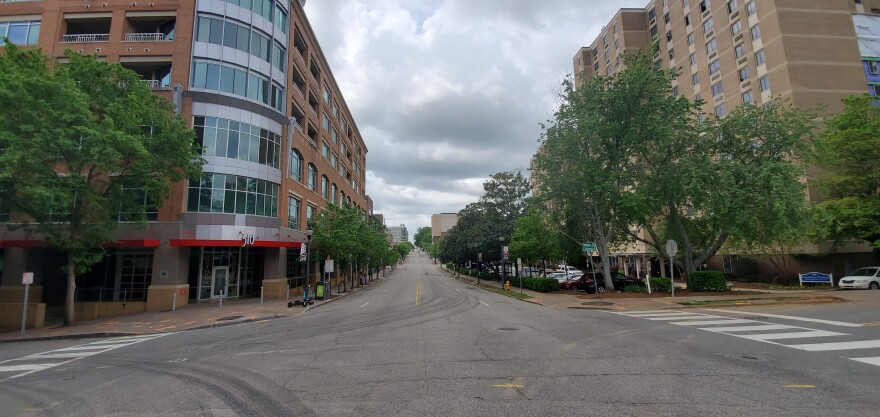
(874, 286)
(574, 287)
(601, 290)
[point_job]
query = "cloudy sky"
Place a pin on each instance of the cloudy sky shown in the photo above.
(446, 93)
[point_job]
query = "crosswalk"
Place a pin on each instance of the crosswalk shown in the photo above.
(25, 365)
(773, 333)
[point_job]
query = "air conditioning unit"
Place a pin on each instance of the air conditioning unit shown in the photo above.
(97, 49)
(127, 49)
(146, 49)
(88, 6)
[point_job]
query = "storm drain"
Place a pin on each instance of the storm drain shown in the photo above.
(229, 318)
(598, 303)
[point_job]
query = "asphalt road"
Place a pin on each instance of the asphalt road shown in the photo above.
(422, 344)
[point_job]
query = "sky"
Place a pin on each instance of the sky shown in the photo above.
(446, 93)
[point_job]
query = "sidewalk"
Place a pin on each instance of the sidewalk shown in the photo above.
(581, 300)
(191, 317)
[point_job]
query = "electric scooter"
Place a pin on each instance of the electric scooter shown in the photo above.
(306, 300)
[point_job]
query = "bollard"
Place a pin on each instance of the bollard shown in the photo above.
(174, 301)
(221, 298)
(288, 292)
(261, 295)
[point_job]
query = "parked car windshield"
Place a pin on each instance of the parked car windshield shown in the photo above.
(864, 272)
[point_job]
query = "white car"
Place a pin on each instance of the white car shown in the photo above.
(570, 270)
(863, 278)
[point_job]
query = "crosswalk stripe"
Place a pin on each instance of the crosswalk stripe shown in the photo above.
(59, 355)
(711, 322)
(821, 347)
(666, 314)
(676, 318)
(872, 361)
(790, 335)
(28, 367)
(751, 328)
(641, 312)
(126, 339)
(93, 347)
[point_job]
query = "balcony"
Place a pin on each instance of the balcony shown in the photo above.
(86, 38)
(146, 37)
(156, 75)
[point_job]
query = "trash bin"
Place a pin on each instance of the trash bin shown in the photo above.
(320, 292)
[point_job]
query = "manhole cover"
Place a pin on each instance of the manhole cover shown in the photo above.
(508, 328)
(598, 303)
(229, 318)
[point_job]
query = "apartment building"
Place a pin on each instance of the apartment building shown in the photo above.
(398, 233)
(441, 223)
(279, 141)
(730, 52)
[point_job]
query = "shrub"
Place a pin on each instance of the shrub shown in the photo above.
(706, 281)
(746, 270)
(541, 284)
(661, 284)
(635, 288)
(485, 275)
(450, 266)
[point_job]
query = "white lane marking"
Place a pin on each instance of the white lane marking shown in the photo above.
(59, 355)
(872, 361)
(94, 347)
(790, 335)
(642, 312)
(366, 303)
(821, 347)
(385, 291)
(711, 322)
(693, 317)
(666, 314)
(487, 305)
(32, 367)
(751, 328)
(779, 316)
(458, 290)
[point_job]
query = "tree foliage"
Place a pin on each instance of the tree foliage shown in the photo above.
(423, 237)
(533, 239)
(83, 147)
(848, 152)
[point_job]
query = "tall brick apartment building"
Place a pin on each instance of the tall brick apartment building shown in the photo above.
(731, 52)
(278, 137)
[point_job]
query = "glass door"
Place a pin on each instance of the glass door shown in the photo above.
(218, 283)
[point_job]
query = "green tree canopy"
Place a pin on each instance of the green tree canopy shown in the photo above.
(76, 142)
(423, 237)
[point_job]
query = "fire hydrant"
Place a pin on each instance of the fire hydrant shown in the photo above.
(507, 285)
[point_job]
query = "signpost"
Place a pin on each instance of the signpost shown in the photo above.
(815, 278)
(506, 251)
(519, 272)
(27, 279)
(671, 249)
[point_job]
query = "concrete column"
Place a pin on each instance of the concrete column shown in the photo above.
(170, 265)
(14, 264)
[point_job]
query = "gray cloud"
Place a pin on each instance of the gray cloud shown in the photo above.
(448, 92)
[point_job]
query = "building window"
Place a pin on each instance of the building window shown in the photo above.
(756, 32)
(732, 5)
(717, 89)
(293, 206)
(671, 54)
(325, 150)
(325, 186)
(226, 193)
(333, 194)
(872, 67)
(720, 110)
(675, 91)
(704, 6)
(764, 83)
(874, 89)
(334, 135)
(232, 35)
(310, 212)
(748, 97)
(739, 51)
(693, 59)
(325, 123)
(711, 46)
(708, 25)
(616, 45)
(312, 178)
(210, 76)
(135, 275)
(684, 3)
(20, 33)
(138, 202)
(743, 74)
(295, 165)
(687, 19)
(335, 111)
(334, 161)
(690, 39)
(736, 28)
(695, 79)
(759, 57)
(698, 96)
(653, 31)
(750, 8)
(326, 94)
(281, 19)
(231, 139)
(714, 67)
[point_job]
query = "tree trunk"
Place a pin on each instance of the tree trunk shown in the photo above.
(69, 317)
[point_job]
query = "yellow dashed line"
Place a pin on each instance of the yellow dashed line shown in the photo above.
(799, 386)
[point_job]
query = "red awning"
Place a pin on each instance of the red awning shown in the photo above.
(257, 243)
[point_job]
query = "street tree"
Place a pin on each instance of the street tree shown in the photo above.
(534, 239)
(423, 237)
(82, 147)
(848, 152)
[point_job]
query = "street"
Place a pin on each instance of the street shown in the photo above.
(420, 343)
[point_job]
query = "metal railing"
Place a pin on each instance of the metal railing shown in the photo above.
(145, 37)
(153, 83)
(96, 37)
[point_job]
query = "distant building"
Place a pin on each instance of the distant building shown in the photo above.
(398, 233)
(441, 223)
(868, 35)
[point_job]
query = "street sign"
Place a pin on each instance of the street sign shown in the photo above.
(671, 247)
(506, 252)
(588, 246)
(27, 278)
(328, 265)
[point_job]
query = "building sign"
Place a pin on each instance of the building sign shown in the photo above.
(815, 277)
(247, 239)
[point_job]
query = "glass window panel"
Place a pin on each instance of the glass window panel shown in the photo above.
(227, 77)
(261, 205)
(230, 34)
(216, 36)
(204, 29)
(192, 201)
(218, 181)
(17, 33)
(33, 33)
(240, 202)
(199, 75)
(240, 83)
(229, 202)
(243, 147)
(205, 200)
(212, 81)
(217, 201)
(243, 39)
(210, 141)
(251, 205)
(222, 138)
(232, 145)
(241, 183)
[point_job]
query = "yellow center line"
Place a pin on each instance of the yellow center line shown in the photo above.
(507, 386)
(799, 386)
(872, 323)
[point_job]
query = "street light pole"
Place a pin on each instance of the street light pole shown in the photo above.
(309, 232)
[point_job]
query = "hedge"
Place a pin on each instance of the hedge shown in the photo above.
(635, 288)
(541, 284)
(661, 284)
(706, 281)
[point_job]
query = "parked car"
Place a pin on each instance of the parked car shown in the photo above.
(567, 282)
(864, 278)
(588, 280)
(570, 270)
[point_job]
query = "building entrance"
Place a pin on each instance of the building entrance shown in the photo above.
(218, 283)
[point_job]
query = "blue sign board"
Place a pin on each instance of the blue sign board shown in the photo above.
(815, 277)
(588, 247)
